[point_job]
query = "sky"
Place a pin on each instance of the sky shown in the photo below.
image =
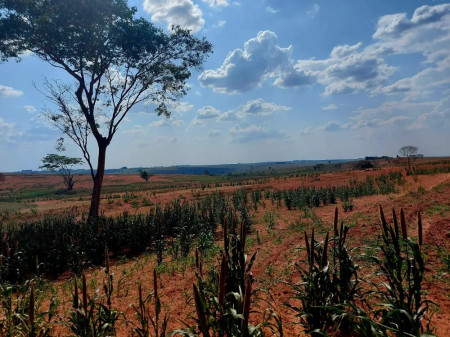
(287, 80)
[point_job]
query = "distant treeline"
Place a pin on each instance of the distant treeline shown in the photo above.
(378, 158)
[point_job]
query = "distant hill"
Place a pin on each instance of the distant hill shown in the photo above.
(222, 169)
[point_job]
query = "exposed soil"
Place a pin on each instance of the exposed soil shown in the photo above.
(279, 248)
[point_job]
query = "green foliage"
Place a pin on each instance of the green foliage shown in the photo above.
(63, 166)
(329, 283)
(115, 59)
(146, 321)
(363, 165)
(67, 243)
(402, 267)
(315, 197)
(223, 298)
(145, 175)
(348, 205)
(20, 310)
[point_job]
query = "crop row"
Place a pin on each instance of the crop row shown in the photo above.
(329, 299)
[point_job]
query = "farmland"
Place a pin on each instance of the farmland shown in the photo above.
(171, 222)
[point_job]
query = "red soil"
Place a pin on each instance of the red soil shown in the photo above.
(280, 248)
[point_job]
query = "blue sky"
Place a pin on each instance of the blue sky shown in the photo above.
(287, 80)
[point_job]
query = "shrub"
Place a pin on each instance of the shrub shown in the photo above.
(363, 165)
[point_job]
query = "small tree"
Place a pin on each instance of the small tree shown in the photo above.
(408, 151)
(145, 175)
(61, 165)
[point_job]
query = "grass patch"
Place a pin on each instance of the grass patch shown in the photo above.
(440, 209)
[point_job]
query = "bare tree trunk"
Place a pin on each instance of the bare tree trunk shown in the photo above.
(98, 181)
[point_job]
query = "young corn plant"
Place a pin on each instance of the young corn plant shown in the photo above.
(20, 312)
(328, 286)
(147, 324)
(91, 317)
(404, 308)
(223, 298)
(315, 290)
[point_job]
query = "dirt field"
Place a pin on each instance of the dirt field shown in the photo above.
(279, 248)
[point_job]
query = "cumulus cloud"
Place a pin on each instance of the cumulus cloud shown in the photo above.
(253, 132)
(330, 107)
(332, 126)
(208, 112)
(177, 12)
(6, 91)
(271, 10)
(349, 69)
(246, 69)
(294, 79)
(439, 114)
(165, 122)
(216, 3)
(259, 107)
(30, 109)
(228, 116)
(421, 83)
(180, 107)
(427, 30)
(375, 123)
(395, 25)
(307, 131)
(136, 130)
(213, 133)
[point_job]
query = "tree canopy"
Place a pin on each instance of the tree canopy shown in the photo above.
(114, 59)
(408, 151)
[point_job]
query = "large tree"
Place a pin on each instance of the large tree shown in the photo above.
(114, 59)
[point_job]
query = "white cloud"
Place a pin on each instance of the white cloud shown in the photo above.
(207, 112)
(271, 10)
(330, 107)
(8, 130)
(136, 130)
(253, 132)
(247, 69)
(177, 12)
(392, 108)
(216, 3)
(180, 107)
(6, 91)
(228, 116)
(197, 122)
(423, 82)
(427, 32)
(349, 69)
(259, 107)
(294, 79)
(307, 131)
(313, 11)
(332, 126)
(213, 133)
(165, 122)
(221, 23)
(30, 109)
(375, 123)
(439, 115)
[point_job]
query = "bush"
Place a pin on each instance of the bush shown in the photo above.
(363, 165)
